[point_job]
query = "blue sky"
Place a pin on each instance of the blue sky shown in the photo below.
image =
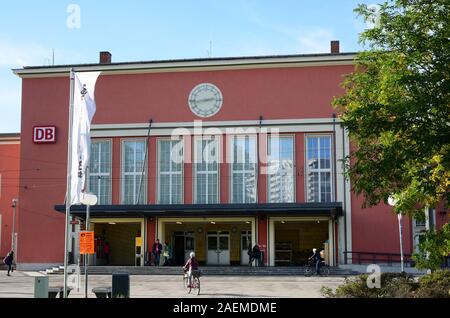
(144, 30)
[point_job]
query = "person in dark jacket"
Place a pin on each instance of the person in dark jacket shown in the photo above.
(9, 261)
(250, 255)
(156, 251)
(191, 265)
(317, 260)
(256, 253)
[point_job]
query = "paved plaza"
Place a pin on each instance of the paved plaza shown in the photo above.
(21, 284)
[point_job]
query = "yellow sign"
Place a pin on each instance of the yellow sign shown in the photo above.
(139, 241)
(86, 242)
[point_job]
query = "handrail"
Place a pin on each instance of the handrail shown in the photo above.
(377, 257)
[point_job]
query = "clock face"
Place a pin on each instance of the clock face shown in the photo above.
(205, 100)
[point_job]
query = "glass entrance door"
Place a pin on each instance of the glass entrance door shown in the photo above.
(218, 248)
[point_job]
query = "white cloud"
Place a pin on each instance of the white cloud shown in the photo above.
(315, 41)
(18, 55)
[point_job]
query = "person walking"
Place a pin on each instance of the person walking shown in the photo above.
(106, 251)
(250, 255)
(317, 260)
(190, 266)
(9, 261)
(156, 251)
(256, 255)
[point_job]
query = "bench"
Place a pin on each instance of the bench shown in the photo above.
(54, 291)
(102, 292)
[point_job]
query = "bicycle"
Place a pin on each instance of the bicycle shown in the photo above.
(195, 282)
(310, 268)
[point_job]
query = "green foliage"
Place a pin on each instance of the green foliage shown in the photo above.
(434, 246)
(396, 107)
(394, 285)
(434, 285)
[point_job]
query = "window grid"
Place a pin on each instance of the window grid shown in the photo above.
(133, 156)
(99, 171)
(206, 170)
(170, 172)
(319, 169)
(243, 169)
(281, 177)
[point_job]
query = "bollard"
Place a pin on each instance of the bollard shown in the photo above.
(41, 287)
(120, 285)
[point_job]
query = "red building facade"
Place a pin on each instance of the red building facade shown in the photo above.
(9, 190)
(239, 151)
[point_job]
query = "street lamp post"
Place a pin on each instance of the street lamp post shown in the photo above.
(392, 202)
(87, 199)
(13, 230)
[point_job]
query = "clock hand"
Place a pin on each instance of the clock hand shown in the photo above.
(205, 100)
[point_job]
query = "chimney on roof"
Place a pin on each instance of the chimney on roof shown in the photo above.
(105, 57)
(334, 47)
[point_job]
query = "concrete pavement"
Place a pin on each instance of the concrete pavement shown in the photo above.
(21, 284)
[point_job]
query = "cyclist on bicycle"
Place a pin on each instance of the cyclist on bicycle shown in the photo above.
(191, 265)
(317, 260)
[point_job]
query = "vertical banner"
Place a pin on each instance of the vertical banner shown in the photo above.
(83, 111)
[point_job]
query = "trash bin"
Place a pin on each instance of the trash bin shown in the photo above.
(120, 285)
(261, 259)
(41, 287)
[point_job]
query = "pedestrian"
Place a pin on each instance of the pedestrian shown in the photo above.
(250, 255)
(9, 261)
(190, 266)
(257, 255)
(167, 253)
(317, 260)
(156, 251)
(106, 251)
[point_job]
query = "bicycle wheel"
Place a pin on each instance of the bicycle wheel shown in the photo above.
(308, 271)
(196, 282)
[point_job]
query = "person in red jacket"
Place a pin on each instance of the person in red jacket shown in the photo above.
(191, 265)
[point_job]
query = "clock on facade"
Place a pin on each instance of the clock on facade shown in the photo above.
(205, 100)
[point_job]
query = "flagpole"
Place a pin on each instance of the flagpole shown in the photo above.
(68, 194)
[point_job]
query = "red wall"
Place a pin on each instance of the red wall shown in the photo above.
(275, 93)
(262, 236)
(9, 190)
(376, 229)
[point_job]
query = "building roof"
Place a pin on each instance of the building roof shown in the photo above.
(227, 62)
(9, 137)
(332, 209)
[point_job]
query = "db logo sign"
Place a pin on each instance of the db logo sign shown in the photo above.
(44, 134)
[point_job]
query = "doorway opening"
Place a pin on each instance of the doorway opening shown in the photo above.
(294, 241)
(115, 244)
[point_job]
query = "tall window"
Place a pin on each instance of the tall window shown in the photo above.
(281, 183)
(243, 169)
(170, 171)
(134, 177)
(100, 170)
(318, 169)
(206, 163)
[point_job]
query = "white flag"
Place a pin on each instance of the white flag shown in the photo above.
(83, 111)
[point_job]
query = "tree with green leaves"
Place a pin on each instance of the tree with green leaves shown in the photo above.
(396, 106)
(434, 246)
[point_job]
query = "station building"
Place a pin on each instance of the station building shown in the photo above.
(211, 155)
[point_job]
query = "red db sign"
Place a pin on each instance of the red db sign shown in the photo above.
(44, 134)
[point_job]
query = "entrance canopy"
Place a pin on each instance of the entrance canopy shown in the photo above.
(331, 209)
